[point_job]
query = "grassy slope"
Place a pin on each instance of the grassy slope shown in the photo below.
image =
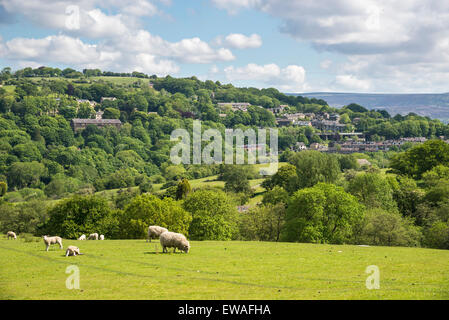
(134, 269)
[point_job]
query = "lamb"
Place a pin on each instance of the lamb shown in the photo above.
(93, 236)
(174, 240)
(83, 237)
(155, 231)
(72, 251)
(101, 237)
(11, 234)
(52, 240)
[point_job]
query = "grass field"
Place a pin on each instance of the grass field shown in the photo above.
(134, 269)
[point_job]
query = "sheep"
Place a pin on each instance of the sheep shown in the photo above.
(101, 237)
(83, 237)
(11, 234)
(72, 251)
(155, 231)
(174, 240)
(52, 240)
(93, 236)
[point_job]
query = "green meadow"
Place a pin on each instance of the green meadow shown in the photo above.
(136, 269)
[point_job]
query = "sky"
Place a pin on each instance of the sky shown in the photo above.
(376, 46)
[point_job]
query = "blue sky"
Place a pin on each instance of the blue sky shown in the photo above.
(295, 46)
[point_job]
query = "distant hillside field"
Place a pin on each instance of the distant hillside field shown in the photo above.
(431, 105)
(135, 269)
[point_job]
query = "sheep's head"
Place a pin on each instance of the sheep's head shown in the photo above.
(186, 248)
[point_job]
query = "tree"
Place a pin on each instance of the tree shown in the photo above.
(25, 174)
(183, 189)
(324, 213)
(373, 191)
(263, 223)
(236, 180)
(213, 215)
(421, 158)
(3, 188)
(388, 228)
(313, 167)
(111, 113)
(285, 178)
(145, 210)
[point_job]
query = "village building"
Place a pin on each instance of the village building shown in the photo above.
(299, 146)
(326, 125)
(242, 106)
(108, 98)
(79, 124)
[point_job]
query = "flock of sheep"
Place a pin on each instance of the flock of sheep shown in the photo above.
(167, 239)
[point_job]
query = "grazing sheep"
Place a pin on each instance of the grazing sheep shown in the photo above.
(72, 251)
(155, 231)
(52, 240)
(93, 236)
(174, 240)
(83, 237)
(11, 234)
(101, 237)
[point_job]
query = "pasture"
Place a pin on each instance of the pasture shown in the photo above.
(135, 269)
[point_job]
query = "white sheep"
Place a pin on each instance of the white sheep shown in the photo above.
(52, 240)
(93, 236)
(155, 231)
(72, 251)
(11, 234)
(174, 240)
(101, 237)
(83, 237)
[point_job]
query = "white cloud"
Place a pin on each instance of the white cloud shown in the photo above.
(351, 83)
(291, 78)
(233, 6)
(117, 41)
(325, 64)
(239, 41)
(395, 44)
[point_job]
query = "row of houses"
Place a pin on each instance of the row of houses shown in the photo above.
(373, 146)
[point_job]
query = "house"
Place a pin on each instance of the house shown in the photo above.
(99, 114)
(242, 106)
(299, 146)
(108, 98)
(295, 116)
(334, 117)
(92, 103)
(254, 147)
(284, 122)
(319, 147)
(326, 125)
(242, 208)
(310, 115)
(222, 115)
(79, 124)
(363, 162)
(303, 123)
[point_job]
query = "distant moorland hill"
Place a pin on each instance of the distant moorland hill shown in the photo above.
(431, 105)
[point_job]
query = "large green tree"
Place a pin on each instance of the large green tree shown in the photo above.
(324, 213)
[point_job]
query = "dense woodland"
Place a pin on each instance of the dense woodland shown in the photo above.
(51, 177)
